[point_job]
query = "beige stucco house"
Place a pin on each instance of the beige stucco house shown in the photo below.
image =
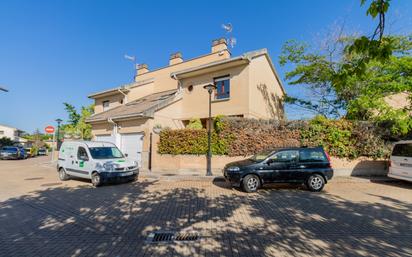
(247, 86)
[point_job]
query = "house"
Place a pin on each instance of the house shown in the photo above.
(13, 133)
(247, 86)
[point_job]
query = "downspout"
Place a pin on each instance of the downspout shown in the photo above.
(123, 93)
(115, 132)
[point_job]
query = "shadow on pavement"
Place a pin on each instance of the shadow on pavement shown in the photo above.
(115, 221)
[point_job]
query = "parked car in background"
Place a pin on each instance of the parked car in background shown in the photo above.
(310, 166)
(400, 163)
(11, 153)
(28, 152)
(99, 161)
(42, 151)
(23, 153)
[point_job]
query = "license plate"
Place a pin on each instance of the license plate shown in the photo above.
(126, 174)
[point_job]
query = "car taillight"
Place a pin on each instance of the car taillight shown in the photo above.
(330, 162)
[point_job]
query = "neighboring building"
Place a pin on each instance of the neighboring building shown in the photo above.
(247, 86)
(12, 133)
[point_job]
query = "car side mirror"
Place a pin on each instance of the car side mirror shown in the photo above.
(270, 161)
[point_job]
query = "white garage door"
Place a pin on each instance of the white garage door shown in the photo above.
(107, 138)
(131, 145)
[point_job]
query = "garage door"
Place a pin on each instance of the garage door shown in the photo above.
(132, 146)
(106, 138)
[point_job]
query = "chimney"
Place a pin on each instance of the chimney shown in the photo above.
(175, 58)
(142, 69)
(219, 45)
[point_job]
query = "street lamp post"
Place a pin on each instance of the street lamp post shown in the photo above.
(209, 88)
(58, 133)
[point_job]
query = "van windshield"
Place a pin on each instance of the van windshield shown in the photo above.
(105, 153)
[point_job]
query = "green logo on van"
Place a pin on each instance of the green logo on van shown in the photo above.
(120, 161)
(81, 164)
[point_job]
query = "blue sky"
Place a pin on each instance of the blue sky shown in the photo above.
(60, 51)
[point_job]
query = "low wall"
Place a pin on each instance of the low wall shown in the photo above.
(197, 163)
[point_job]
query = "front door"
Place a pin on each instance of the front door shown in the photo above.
(282, 164)
(81, 165)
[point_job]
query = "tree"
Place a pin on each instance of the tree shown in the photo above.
(336, 89)
(5, 141)
(77, 126)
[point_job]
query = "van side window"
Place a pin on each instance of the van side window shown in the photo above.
(311, 155)
(404, 150)
(82, 154)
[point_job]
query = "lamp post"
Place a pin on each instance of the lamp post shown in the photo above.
(58, 133)
(4, 89)
(209, 88)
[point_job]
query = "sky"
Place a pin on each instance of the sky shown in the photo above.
(61, 51)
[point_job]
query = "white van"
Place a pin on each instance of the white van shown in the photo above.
(400, 165)
(99, 161)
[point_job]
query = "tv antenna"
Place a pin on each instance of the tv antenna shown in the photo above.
(229, 28)
(3, 89)
(132, 59)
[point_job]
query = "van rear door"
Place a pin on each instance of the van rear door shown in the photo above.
(401, 160)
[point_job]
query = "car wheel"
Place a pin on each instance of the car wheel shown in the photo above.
(63, 175)
(315, 183)
(251, 183)
(96, 179)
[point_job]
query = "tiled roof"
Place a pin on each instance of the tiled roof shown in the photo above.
(143, 107)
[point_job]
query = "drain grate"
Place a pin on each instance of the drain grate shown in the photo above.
(36, 178)
(168, 236)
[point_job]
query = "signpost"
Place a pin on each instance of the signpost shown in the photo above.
(50, 130)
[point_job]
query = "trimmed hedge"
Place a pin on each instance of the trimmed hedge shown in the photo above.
(243, 137)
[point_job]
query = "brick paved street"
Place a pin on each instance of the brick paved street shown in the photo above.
(40, 216)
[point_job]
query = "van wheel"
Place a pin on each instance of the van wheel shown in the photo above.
(315, 183)
(96, 179)
(251, 183)
(63, 175)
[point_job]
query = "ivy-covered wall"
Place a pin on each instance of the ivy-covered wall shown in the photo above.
(243, 137)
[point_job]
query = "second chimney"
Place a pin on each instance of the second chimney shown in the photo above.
(219, 45)
(175, 58)
(142, 69)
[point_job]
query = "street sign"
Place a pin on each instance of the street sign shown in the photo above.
(49, 129)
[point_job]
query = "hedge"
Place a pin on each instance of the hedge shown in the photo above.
(243, 137)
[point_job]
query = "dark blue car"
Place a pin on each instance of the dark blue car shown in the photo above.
(12, 153)
(310, 166)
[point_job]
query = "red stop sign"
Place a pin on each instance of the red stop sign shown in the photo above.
(49, 129)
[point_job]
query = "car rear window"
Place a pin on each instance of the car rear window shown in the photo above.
(404, 150)
(10, 149)
(312, 155)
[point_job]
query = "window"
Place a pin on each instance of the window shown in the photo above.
(105, 152)
(222, 88)
(106, 105)
(312, 155)
(82, 154)
(404, 150)
(285, 156)
(190, 88)
(1, 132)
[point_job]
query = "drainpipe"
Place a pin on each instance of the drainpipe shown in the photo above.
(179, 83)
(115, 132)
(124, 94)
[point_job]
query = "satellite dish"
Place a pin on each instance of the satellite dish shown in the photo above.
(228, 27)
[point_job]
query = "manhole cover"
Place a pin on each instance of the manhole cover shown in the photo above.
(168, 236)
(37, 178)
(50, 184)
